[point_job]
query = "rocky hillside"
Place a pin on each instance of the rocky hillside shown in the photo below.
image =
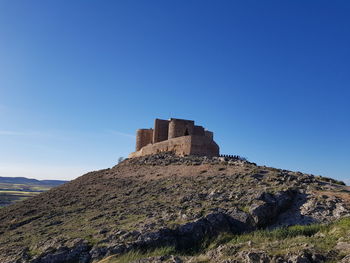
(179, 206)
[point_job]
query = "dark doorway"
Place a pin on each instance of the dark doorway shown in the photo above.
(186, 132)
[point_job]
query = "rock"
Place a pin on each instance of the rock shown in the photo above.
(79, 252)
(322, 210)
(170, 158)
(97, 253)
(193, 233)
(174, 259)
(263, 213)
(344, 247)
(346, 259)
(103, 231)
(254, 257)
(257, 257)
(305, 256)
(223, 251)
(267, 207)
(243, 222)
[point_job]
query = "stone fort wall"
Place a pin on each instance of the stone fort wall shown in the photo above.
(180, 136)
(182, 146)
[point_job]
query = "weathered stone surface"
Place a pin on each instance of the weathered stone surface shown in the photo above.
(179, 136)
(344, 247)
(266, 209)
(346, 259)
(78, 252)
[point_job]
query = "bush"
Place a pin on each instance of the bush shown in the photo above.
(330, 180)
(277, 234)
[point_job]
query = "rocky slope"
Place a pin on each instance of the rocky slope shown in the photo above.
(164, 201)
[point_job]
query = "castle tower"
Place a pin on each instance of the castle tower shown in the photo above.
(179, 127)
(143, 138)
(161, 129)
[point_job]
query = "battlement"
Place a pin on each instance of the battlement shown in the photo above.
(180, 136)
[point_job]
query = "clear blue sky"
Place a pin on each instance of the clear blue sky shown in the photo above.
(77, 78)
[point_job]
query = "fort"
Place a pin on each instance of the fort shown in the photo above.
(182, 137)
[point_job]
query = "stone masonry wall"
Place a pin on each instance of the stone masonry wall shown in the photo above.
(180, 146)
(209, 134)
(178, 127)
(199, 130)
(161, 129)
(143, 138)
(202, 145)
(184, 145)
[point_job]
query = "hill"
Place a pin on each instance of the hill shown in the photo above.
(158, 205)
(13, 189)
(29, 181)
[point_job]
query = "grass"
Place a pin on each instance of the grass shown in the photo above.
(278, 241)
(245, 208)
(330, 180)
(11, 193)
(277, 234)
(10, 197)
(20, 187)
(139, 254)
(129, 221)
(283, 240)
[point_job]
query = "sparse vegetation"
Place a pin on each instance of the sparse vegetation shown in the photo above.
(279, 241)
(138, 197)
(264, 236)
(242, 158)
(10, 193)
(139, 254)
(330, 180)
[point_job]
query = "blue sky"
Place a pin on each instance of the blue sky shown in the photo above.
(77, 78)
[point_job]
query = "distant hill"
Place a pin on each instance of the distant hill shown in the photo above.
(29, 181)
(13, 189)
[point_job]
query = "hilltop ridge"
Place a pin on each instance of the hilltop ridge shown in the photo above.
(24, 180)
(163, 200)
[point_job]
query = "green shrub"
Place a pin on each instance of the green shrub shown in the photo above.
(293, 231)
(276, 234)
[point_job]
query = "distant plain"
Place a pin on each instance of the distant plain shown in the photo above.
(17, 189)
